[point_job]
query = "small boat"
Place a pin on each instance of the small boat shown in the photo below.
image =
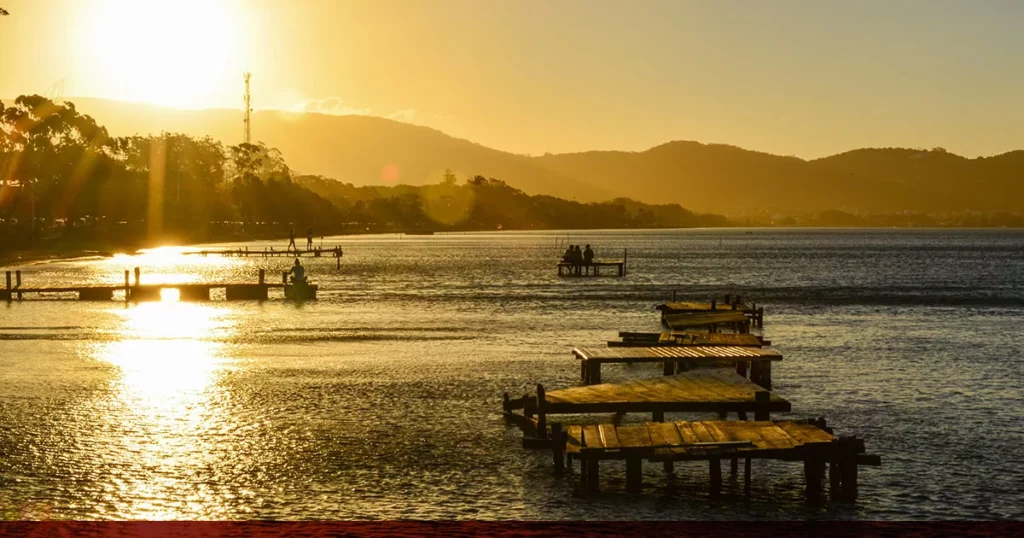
(300, 291)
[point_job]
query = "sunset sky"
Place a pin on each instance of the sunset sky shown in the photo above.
(807, 78)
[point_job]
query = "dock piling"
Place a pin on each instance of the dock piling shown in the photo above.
(558, 440)
(263, 276)
(542, 427)
(127, 290)
(715, 466)
(8, 286)
(17, 282)
(762, 402)
(138, 276)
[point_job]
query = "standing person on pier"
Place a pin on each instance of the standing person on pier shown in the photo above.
(291, 241)
(309, 238)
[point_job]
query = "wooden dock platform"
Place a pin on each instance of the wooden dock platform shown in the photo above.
(718, 391)
(137, 291)
(267, 252)
(583, 270)
(682, 338)
(736, 320)
(751, 361)
(807, 441)
(679, 310)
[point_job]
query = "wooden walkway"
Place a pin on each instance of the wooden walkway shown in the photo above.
(680, 338)
(267, 252)
(718, 391)
(584, 270)
(731, 303)
(809, 441)
(752, 360)
(137, 291)
(736, 320)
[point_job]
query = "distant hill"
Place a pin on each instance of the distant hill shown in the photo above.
(365, 150)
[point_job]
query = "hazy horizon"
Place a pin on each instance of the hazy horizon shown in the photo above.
(787, 78)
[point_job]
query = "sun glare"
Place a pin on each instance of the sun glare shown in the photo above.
(180, 54)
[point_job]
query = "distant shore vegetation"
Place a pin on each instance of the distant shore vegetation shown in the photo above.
(66, 184)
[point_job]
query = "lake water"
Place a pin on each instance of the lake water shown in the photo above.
(383, 398)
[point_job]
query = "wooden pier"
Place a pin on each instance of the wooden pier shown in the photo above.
(137, 291)
(719, 391)
(583, 269)
(702, 372)
(267, 252)
(681, 338)
(807, 441)
(748, 361)
(680, 315)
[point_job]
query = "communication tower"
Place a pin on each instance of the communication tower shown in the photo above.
(248, 110)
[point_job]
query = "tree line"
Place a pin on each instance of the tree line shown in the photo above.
(63, 175)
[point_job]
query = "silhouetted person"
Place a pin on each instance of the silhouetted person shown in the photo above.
(309, 239)
(577, 258)
(291, 241)
(567, 257)
(588, 257)
(298, 273)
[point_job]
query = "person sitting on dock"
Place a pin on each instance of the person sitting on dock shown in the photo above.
(577, 259)
(567, 257)
(299, 273)
(588, 257)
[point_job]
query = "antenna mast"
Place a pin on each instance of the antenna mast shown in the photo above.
(248, 109)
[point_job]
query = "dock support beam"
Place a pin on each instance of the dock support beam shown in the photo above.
(634, 475)
(542, 426)
(715, 466)
(746, 476)
(558, 440)
(127, 287)
(17, 282)
(762, 404)
(8, 286)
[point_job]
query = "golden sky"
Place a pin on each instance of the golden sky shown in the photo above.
(806, 78)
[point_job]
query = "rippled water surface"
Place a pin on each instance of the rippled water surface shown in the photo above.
(383, 398)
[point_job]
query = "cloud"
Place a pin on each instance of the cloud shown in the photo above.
(329, 105)
(408, 115)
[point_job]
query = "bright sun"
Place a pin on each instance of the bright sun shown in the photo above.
(180, 53)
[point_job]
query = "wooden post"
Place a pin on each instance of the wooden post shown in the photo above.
(727, 296)
(593, 373)
(746, 476)
(848, 470)
(734, 465)
(762, 402)
(8, 286)
(760, 318)
(263, 276)
(741, 368)
(17, 282)
(625, 259)
(715, 466)
(669, 368)
(766, 375)
(127, 288)
(558, 446)
(673, 296)
(138, 274)
(583, 372)
(658, 416)
(542, 426)
(634, 475)
(813, 471)
(593, 476)
(755, 372)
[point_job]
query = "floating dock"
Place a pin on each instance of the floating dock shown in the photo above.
(751, 361)
(807, 441)
(190, 291)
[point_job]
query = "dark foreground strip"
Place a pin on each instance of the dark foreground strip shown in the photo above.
(510, 528)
